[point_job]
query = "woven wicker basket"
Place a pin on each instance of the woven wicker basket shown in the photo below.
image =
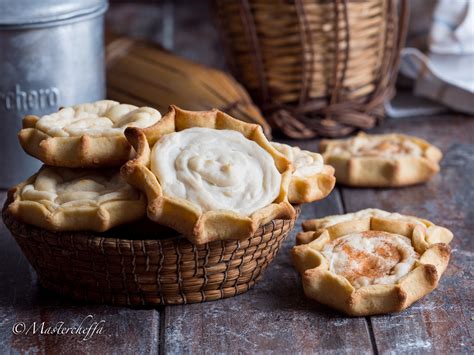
(316, 67)
(107, 268)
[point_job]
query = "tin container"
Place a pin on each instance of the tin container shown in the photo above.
(51, 55)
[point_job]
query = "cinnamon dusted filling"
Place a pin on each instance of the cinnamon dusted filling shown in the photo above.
(371, 257)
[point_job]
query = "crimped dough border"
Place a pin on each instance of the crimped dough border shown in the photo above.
(182, 215)
(380, 171)
(73, 152)
(337, 292)
(85, 218)
(311, 188)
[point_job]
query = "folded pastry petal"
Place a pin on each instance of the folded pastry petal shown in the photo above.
(208, 175)
(372, 261)
(63, 199)
(86, 135)
(384, 160)
(311, 179)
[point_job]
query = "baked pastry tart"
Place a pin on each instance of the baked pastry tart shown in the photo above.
(86, 135)
(382, 160)
(372, 261)
(63, 199)
(208, 175)
(311, 179)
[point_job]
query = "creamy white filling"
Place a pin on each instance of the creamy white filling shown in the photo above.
(386, 146)
(305, 163)
(216, 170)
(62, 187)
(371, 258)
(101, 118)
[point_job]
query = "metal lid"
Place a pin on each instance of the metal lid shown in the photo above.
(19, 13)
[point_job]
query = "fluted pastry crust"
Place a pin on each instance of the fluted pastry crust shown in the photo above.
(313, 227)
(198, 223)
(84, 136)
(383, 160)
(372, 261)
(63, 199)
(311, 180)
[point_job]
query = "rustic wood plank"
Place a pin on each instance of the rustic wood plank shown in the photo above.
(441, 322)
(22, 300)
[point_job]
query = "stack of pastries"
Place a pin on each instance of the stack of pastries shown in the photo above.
(211, 177)
(204, 174)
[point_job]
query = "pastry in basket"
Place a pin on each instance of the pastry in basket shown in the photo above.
(372, 261)
(86, 135)
(63, 199)
(311, 179)
(382, 160)
(208, 175)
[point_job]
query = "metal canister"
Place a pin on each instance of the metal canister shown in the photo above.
(51, 55)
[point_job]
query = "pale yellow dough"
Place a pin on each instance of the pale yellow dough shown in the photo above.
(85, 135)
(318, 224)
(311, 179)
(381, 160)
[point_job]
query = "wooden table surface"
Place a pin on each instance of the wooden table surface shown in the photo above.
(275, 316)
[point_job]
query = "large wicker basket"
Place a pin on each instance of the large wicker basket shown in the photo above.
(117, 268)
(316, 67)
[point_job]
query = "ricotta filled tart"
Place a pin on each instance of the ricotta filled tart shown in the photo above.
(65, 199)
(85, 135)
(371, 261)
(208, 175)
(381, 160)
(216, 170)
